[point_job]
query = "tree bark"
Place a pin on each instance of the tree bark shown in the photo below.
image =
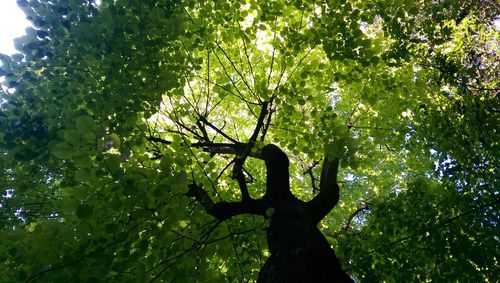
(299, 251)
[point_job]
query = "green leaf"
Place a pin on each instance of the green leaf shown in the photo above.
(62, 150)
(115, 203)
(82, 159)
(115, 139)
(269, 212)
(166, 163)
(82, 175)
(113, 162)
(110, 228)
(72, 137)
(84, 211)
(85, 124)
(89, 138)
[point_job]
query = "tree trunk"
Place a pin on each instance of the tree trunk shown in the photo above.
(299, 252)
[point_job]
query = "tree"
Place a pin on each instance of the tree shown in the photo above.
(240, 141)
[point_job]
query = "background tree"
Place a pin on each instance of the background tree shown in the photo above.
(113, 111)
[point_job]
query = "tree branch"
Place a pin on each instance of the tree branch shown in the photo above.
(234, 67)
(242, 183)
(213, 147)
(268, 122)
(228, 148)
(255, 134)
(240, 160)
(364, 206)
(202, 119)
(309, 171)
(328, 195)
(226, 210)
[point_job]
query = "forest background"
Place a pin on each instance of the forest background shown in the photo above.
(111, 110)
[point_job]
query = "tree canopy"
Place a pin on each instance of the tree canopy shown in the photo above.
(114, 113)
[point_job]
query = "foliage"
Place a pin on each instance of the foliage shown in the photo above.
(406, 90)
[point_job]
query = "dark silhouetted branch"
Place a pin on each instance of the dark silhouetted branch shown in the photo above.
(364, 206)
(226, 210)
(242, 183)
(309, 171)
(202, 119)
(328, 195)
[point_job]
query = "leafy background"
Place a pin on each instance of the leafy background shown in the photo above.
(408, 88)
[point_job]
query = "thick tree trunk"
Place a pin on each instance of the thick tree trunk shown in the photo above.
(299, 252)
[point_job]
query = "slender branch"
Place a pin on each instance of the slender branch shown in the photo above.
(240, 160)
(235, 249)
(203, 131)
(293, 71)
(228, 236)
(178, 121)
(234, 67)
(171, 260)
(233, 83)
(268, 122)
(159, 140)
(189, 15)
(212, 147)
(372, 128)
(277, 89)
(364, 206)
(229, 91)
(272, 62)
(311, 175)
(260, 122)
(245, 49)
(202, 119)
(196, 101)
(208, 79)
